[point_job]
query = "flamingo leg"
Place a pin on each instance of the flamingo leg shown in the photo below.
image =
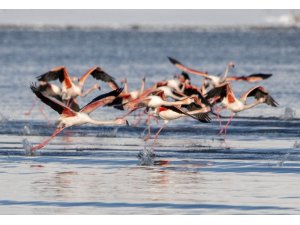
(229, 121)
(138, 120)
(219, 119)
(31, 108)
(158, 132)
(42, 144)
(148, 127)
(131, 111)
(44, 114)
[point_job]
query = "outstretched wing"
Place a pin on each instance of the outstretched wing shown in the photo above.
(194, 91)
(54, 104)
(199, 116)
(187, 69)
(101, 100)
(135, 102)
(55, 73)
(259, 92)
(251, 78)
(100, 74)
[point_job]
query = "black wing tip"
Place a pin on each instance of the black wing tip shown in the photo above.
(266, 75)
(173, 61)
(118, 91)
(203, 117)
(273, 102)
(34, 87)
(262, 75)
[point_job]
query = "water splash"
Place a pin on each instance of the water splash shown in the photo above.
(296, 144)
(26, 130)
(27, 147)
(288, 114)
(146, 157)
(3, 119)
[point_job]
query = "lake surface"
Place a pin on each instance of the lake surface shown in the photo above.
(96, 170)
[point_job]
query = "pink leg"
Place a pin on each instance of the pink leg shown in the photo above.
(157, 133)
(122, 117)
(31, 108)
(41, 145)
(138, 120)
(229, 121)
(149, 131)
(219, 119)
(43, 113)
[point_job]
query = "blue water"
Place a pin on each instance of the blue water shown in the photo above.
(96, 170)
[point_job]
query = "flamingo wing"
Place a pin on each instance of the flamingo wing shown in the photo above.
(54, 74)
(134, 103)
(259, 92)
(101, 100)
(250, 78)
(187, 69)
(54, 104)
(194, 91)
(218, 93)
(83, 78)
(199, 116)
(100, 74)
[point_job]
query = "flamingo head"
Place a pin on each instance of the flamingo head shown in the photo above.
(75, 79)
(231, 64)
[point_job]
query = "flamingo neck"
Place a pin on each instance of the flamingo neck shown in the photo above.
(87, 92)
(226, 73)
(142, 86)
(126, 90)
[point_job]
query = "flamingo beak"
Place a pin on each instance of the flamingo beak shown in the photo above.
(127, 123)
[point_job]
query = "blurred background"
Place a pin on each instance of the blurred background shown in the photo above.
(117, 18)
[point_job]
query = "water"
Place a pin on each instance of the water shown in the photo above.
(96, 170)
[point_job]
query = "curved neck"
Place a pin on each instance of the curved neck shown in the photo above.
(87, 92)
(125, 86)
(226, 72)
(142, 86)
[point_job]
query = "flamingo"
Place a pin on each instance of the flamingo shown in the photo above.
(136, 93)
(69, 89)
(168, 113)
(69, 117)
(157, 100)
(225, 95)
(215, 80)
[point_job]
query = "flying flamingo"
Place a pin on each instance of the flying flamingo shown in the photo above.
(69, 89)
(135, 93)
(215, 80)
(225, 95)
(168, 113)
(157, 100)
(69, 117)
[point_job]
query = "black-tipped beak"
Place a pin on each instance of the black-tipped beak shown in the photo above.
(127, 123)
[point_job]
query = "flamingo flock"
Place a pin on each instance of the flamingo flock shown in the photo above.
(166, 99)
